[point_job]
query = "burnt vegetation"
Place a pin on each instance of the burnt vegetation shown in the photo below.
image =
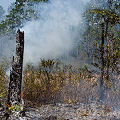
(92, 75)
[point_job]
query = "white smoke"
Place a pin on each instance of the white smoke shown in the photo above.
(55, 31)
(5, 4)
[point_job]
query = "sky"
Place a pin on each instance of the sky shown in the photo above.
(6, 3)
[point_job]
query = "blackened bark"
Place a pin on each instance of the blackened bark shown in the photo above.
(108, 53)
(14, 93)
(102, 60)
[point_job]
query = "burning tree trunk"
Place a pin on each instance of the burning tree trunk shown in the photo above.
(14, 92)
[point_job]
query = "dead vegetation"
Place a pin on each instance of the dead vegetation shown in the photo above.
(52, 82)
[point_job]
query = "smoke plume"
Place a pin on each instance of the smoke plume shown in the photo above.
(55, 31)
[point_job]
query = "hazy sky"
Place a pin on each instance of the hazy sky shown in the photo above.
(6, 3)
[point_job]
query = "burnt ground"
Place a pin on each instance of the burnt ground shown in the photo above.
(68, 112)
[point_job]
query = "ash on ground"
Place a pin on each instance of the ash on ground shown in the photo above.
(60, 111)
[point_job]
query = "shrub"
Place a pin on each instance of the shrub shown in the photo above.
(42, 84)
(3, 88)
(3, 79)
(54, 82)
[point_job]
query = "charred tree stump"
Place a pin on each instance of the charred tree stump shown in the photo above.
(14, 92)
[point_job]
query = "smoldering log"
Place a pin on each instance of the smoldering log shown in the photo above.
(15, 83)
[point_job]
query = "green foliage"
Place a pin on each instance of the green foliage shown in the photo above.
(102, 39)
(92, 36)
(2, 12)
(20, 12)
(16, 17)
(1, 94)
(47, 64)
(111, 45)
(111, 16)
(15, 108)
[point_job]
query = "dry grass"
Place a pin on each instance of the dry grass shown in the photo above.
(52, 82)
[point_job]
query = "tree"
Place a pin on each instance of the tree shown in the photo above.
(103, 21)
(20, 12)
(2, 12)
